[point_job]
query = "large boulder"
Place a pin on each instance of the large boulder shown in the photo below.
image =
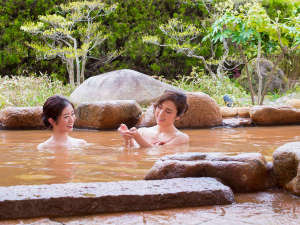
(203, 111)
(120, 85)
(21, 118)
(246, 172)
(266, 115)
(286, 166)
(278, 82)
(107, 114)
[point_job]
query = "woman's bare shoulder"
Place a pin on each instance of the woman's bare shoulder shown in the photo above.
(77, 142)
(183, 136)
(72, 142)
(179, 139)
(45, 144)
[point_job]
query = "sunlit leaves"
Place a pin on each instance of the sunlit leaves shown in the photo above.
(32, 27)
(249, 22)
(151, 40)
(179, 36)
(179, 30)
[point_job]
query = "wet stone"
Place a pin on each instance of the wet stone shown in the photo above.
(237, 122)
(107, 114)
(21, 118)
(286, 160)
(71, 199)
(246, 172)
(266, 115)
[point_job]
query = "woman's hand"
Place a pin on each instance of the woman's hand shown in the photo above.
(132, 134)
(126, 134)
(135, 134)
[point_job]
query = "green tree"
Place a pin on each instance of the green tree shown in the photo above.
(253, 33)
(15, 56)
(71, 35)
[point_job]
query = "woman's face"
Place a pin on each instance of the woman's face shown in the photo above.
(166, 113)
(65, 120)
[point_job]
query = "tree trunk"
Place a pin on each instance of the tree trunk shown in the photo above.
(70, 68)
(248, 74)
(83, 68)
(260, 78)
(269, 76)
(77, 63)
(221, 63)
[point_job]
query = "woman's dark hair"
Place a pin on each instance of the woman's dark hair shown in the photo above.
(178, 98)
(53, 107)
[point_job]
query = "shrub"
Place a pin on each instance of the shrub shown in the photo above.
(215, 88)
(30, 91)
(15, 56)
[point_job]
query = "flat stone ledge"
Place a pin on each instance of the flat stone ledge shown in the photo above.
(75, 199)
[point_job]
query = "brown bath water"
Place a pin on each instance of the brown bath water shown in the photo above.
(106, 160)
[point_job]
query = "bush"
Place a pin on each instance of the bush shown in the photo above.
(30, 91)
(215, 88)
(135, 19)
(285, 7)
(15, 56)
(132, 20)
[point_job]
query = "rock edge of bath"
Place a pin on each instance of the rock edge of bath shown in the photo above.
(72, 199)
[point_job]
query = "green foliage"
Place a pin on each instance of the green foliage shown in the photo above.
(254, 34)
(215, 88)
(15, 56)
(30, 91)
(286, 8)
(134, 19)
(70, 36)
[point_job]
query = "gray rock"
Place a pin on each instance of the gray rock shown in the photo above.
(72, 199)
(120, 85)
(278, 82)
(245, 172)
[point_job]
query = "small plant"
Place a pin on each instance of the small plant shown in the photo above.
(30, 91)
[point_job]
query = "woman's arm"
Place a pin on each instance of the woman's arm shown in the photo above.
(138, 137)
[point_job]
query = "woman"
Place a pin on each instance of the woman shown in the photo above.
(167, 109)
(58, 115)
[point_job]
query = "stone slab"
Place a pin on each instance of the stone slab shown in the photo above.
(75, 199)
(244, 172)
